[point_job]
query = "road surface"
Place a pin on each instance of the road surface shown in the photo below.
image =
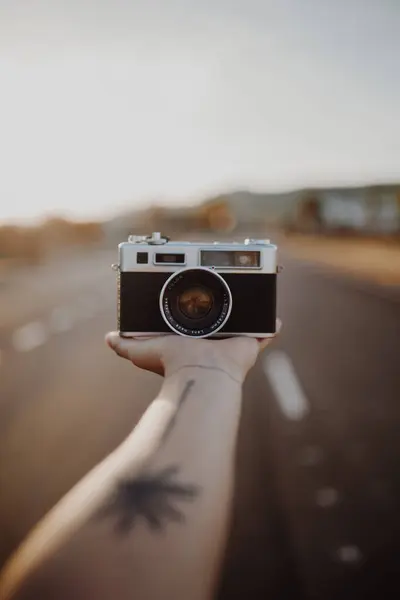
(317, 511)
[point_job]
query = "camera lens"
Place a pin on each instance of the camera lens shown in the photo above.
(195, 302)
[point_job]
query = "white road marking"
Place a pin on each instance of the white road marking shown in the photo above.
(61, 319)
(29, 336)
(327, 497)
(287, 388)
(349, 554)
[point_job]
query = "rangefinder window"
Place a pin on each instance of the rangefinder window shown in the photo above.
(142, 258)
(169, 259)
(237, 259)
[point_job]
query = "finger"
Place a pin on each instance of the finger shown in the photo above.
(153, 366)
(241, 345)
(263, 343)
(113, 342)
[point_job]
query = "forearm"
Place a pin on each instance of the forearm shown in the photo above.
(162, 498)
(200, 447)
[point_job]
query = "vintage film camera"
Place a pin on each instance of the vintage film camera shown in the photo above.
(195, 289)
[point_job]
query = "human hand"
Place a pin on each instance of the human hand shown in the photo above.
(165, 354)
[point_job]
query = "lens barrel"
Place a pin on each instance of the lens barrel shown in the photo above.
(195, 302)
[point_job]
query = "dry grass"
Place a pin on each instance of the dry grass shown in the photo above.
(375, 260)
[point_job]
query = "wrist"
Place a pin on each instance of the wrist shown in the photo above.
(203, 356)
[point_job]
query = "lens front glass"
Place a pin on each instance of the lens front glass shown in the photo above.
(195, 302)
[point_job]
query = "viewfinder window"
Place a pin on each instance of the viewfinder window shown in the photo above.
(170, 259)
(232, 259)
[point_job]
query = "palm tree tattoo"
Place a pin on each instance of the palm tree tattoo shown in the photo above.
(152, 497)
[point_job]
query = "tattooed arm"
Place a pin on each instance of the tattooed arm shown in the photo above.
(149, 522)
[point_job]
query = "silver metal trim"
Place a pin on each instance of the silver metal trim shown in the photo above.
(151, 334)
(137, 239)
(192, 250)
(257, 242)
(155, 239)
(252, 335)
(218, 276)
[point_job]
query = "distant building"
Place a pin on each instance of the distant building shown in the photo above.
(368, 210)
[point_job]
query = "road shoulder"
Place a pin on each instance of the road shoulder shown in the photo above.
(372, 261)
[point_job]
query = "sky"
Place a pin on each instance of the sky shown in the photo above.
(107, 104)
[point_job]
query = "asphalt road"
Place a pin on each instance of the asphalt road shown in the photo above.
(318, 479)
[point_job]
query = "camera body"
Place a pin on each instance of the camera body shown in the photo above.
(196, 289)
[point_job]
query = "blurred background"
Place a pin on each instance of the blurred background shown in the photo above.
(212, 120)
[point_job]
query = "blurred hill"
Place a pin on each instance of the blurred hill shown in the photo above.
(216, 215)
(368, 211)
